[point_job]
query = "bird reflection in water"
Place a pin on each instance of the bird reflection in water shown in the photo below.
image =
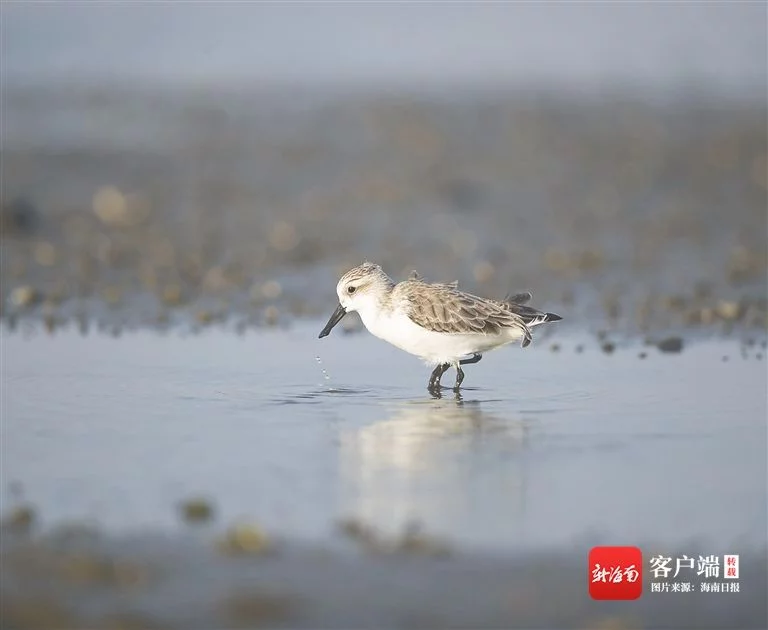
(445, 463)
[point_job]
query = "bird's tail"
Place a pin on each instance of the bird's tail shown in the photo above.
(529, 317)
(532, 317)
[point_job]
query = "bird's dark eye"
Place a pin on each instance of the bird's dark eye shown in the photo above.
(351, 290)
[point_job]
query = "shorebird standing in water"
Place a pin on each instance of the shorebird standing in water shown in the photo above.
(437, 322)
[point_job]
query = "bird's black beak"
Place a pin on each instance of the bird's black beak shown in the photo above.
(338, 314)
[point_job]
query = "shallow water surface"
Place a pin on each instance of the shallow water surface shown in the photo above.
(295, 433)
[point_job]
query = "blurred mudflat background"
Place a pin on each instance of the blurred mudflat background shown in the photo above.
(136, 208)
(183, 185)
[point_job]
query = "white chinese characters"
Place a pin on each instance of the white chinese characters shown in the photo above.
(615, 575)
(707, 567)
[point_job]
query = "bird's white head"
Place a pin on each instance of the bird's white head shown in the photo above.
(361, 289)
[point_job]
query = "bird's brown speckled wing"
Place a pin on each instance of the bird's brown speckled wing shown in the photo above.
(443, 308)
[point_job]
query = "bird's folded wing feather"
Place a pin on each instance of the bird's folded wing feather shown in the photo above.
(442, 308)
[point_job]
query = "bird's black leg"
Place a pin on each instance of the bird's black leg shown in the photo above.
(434, 379)
(460, 373)
(459, 377)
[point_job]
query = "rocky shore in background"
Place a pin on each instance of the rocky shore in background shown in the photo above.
(125, 209)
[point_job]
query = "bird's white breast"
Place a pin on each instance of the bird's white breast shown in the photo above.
(398, 329)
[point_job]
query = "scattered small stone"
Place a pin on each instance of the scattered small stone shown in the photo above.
(20, 520)
(579, 349)
(608, 347)
(24, 297)
(742, 264)
(759, 356)
(415, 542)
(642, 355)
(109, 204)
(196, 511)
(44, 254)
(670, 345)
(172, 295)
(555, 347)
(204, 317)
(18, 217)
(216, 280)
(271, 290)
(725, 358)
(115, 209)
(700, 316)
(728, 310)
(244, 539)
(358, 531)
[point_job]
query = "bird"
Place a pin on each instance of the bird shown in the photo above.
(437, 322)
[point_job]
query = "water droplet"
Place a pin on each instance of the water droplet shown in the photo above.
(326, 376)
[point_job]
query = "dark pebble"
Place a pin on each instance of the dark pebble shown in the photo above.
(670, 344)
(196, 511)
(18, 217)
